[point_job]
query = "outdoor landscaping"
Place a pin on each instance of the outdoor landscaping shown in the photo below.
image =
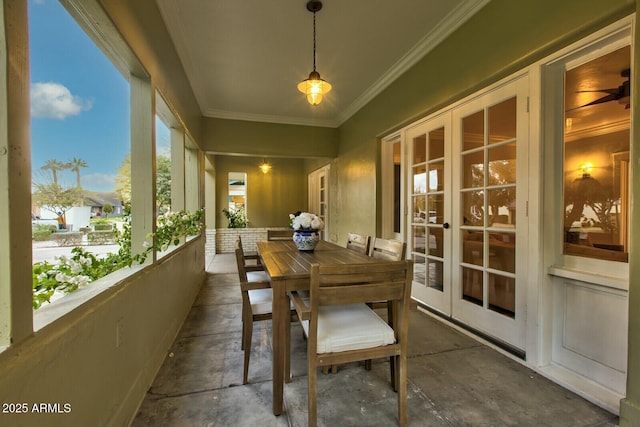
(68, 274)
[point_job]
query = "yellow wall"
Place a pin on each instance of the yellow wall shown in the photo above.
(268, 139)
(271, 197)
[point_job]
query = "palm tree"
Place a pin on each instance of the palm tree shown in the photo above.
(54, 166)
(75, 166)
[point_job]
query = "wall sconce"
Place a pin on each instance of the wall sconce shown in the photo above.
(265, 167)
(586, 169)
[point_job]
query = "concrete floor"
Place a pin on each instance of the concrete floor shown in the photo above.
(454, 380)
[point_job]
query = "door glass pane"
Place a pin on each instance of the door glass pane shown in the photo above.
(419, 209)
(418, 240)
(502, 207)
(436, 144)
(473, 169)
(473, 208)
(502, 252)
(596, 158)
(436, 209)
(419, 270)
(472, 285)
(436, 235)
(473, 131)
(435, 275)
(473, 247)
(420, 179)
(420, 149)
(436, 176)
(502, 164)
(502, 294)
(502, 121)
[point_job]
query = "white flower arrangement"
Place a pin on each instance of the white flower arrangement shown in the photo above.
(306, 221)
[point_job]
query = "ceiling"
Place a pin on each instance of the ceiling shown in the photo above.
(244, 59)
(600, 79)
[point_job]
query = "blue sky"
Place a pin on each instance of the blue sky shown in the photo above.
(79, 100)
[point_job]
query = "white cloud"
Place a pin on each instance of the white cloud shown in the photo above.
(98, 181)
(55, 101)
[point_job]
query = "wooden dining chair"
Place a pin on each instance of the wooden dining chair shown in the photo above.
(257, 303)
(388, 250)
(341, 328)
(250, 258)
(358, 243)
(279, 234)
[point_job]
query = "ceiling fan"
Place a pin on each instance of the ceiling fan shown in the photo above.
(620, 94)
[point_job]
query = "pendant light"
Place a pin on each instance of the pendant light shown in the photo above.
(314, 87)
(265, 167)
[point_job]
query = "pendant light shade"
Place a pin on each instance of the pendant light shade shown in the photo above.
(314, 87)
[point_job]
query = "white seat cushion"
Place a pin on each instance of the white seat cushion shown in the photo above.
(257, 276)
(350, 327)
(261, 301)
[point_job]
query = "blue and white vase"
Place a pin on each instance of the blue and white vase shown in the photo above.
(306, 240)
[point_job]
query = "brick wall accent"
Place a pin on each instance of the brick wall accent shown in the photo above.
(223, 240)
(210, 243)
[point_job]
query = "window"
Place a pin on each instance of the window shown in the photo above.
(237, 191)
(163, 167)
(80, 140)
(596, 157)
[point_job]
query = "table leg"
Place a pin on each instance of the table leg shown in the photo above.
(280, 310)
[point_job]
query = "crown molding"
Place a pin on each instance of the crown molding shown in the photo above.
(448, 25)
(599, 130)
(233, 115)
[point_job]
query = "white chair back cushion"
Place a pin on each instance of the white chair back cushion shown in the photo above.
(350, 327)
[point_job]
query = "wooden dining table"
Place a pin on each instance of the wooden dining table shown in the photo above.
(289, 269)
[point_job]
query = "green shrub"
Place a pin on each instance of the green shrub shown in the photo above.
(67, 238)
(102, 226)
(102, 237)
(41, 235)
(41, 232)
(68, 274)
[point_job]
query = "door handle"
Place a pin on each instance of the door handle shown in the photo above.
(445, 225)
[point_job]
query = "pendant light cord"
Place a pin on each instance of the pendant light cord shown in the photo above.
(314, 41)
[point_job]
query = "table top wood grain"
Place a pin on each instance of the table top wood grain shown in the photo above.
(282, 260)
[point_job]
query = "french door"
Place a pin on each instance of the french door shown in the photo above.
(429, 183)
(468, 197)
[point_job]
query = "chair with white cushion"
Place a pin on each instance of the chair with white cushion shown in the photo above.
(341, 328)
(257, 302)
(388, 250)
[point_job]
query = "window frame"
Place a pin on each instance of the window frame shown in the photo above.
(607, 272)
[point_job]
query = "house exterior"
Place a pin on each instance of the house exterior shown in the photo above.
(575, 322)
(96, 200)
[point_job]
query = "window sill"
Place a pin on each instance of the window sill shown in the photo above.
(49, 313)
(615, 282)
